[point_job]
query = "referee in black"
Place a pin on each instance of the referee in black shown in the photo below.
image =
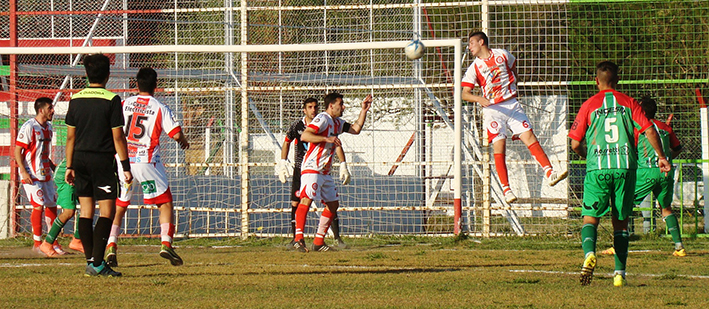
(94, 135)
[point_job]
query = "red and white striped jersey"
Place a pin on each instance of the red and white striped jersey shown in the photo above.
(318, 159)
(145, 118)
(493, 75)
(36, 139)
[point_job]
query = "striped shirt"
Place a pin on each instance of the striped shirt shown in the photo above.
(647, 157)
(607, 121)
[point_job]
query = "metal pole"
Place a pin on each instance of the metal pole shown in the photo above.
(244, 134)
(14, 103)
(458, 139)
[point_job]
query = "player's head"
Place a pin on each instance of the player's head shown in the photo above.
(310, 108)
(607, 74)
(649, 106)
(44, 108)
(147, 80)
(98, 68)
(334, 104)
(476, 41)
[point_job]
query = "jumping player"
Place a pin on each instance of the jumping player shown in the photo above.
(94, 136)
(316, 182)
(310, 109)
(145, 119)
(606, 123)
(33, 152)
(494, 70)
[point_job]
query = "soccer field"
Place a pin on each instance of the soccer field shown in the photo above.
(375, 272)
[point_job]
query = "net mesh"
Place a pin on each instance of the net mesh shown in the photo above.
(660, 47)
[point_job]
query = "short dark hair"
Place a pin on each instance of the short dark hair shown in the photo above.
(98, 68)
(147, 80)
(480, 35)
(310, 100)
(40, 103)
(649, 106)
(332, 97)
(607, 72)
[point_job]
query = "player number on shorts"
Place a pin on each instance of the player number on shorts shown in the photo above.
(611, 130)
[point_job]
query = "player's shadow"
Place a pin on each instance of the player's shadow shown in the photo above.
(356, 271)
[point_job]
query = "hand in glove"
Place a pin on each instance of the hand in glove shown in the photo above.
(344, 173)
(283, 170)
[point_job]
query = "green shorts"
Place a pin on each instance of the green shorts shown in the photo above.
(610, 189)
(652, 180)
(66, 198)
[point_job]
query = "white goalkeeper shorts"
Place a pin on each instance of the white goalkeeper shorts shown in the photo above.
(318, 187)
(505, 119)
(41, 193)
(153, 182)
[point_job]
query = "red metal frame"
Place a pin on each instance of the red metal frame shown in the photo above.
(14, 183)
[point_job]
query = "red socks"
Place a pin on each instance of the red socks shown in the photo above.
(36, 219)
(541, 157)
(501, 167)
(325, 221)
(300, 216)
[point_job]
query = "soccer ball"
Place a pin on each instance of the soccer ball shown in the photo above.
(414, 50)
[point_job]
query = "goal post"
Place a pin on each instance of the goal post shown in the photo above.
(225, 185)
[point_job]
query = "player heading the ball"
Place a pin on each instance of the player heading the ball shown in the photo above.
(495, 72)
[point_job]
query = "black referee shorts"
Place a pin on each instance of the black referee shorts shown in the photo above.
(95, 175)
(295, 185)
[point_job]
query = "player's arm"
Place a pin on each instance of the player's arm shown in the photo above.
(119, 142)
(467, 95)
(310, 136)
(654, 138)
(579, 148)
(285, 149)
(19, 158)
(69, 151)
(181, 139)
(356, 127)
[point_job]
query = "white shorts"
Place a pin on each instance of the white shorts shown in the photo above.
(505, 119)
(41, 193)
(153, 181)
(317, 186)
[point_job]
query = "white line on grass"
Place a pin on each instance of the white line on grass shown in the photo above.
(609, 274)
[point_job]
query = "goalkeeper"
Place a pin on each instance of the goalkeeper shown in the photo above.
(283, 167)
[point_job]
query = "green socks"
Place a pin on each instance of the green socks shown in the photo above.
(620, 243)
(57, 226)
(589, 233)
(673, 227)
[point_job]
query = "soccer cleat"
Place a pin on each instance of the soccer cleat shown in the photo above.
(46, 249)
(111, 257)
(300, 246)
(555, 177)
(169, 253)
(510, 197)
(291, 245)
(322, 248)
(76, 245)
(680, 253)
(619, 280)
(58, 249)
(341, 244)
(609, 251)
(102, 270)
(589, 264)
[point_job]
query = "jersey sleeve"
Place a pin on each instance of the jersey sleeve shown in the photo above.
(674, 141)
(69, 119)
(470, 78)
(318, 124)
(169, 124)
(580, 125)
(25, 136)
(511, 59)
(292, 133)
(116, 118)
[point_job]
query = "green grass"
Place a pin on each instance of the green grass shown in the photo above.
(389, 272)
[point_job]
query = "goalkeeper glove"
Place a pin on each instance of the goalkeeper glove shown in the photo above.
(344, 173)
(283, 170)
